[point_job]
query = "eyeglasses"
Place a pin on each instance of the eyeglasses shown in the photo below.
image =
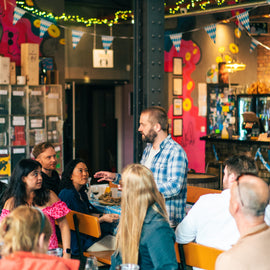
(238, 185)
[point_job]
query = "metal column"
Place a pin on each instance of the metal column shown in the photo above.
(148, 62)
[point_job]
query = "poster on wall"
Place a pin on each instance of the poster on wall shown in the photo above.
(177, 86)
(177, 106)
(177, 66)
(177, 127)
(103, 58)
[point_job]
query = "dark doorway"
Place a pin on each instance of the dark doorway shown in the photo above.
(96, 126)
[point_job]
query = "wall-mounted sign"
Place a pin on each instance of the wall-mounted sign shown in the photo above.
(103, 58)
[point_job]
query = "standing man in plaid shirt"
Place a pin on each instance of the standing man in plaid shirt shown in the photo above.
(165, 158)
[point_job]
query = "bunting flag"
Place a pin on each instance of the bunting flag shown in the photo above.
(253, 45)
(76, 37)
(260, 156)
(18, 13)
(107, 42)
(211, 31)
(243, 18)
(44, 25)
(176, 40)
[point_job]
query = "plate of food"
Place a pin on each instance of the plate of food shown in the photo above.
(107, 199)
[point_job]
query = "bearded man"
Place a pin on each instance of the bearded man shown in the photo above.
(165, 158)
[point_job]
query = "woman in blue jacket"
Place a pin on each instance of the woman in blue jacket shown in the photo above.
(73, 193)
(144, 235)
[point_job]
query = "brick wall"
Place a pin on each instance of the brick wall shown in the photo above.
(263, 60)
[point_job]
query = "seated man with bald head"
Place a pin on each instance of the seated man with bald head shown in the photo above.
(249, 198)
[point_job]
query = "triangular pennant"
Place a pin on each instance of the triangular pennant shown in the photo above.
(76, 37)
(18, 13)
(244, 20)
(176, 40)
(107, 42)
(44, 25)
(253, 45)
(211, 31)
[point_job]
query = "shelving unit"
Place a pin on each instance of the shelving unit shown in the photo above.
(29, 115)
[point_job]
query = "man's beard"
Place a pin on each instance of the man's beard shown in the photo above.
(150, 137)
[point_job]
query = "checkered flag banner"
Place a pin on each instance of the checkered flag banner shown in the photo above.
(107, 42)
(176, 40)
(18, 13)
(76, 37)
(253, 45)
(44, 25)
(211, 31)
(243, 18)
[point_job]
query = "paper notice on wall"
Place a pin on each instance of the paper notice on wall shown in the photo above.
(103, 58)
(202, 96)
(5, 165)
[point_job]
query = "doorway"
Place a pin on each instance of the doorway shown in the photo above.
(95, 126)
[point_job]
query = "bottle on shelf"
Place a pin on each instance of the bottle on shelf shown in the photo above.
(224, 132)
(42, 75)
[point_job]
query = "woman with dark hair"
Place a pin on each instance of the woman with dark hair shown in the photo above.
(73, 193)
(26, 188)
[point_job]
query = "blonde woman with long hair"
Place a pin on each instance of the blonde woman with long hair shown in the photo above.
(144, 236)
(25, 235)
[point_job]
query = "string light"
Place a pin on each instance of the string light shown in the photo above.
(119, 16)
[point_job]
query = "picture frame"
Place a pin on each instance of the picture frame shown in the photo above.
(177, 86)
(177, 66)
(178, 127)
(177, 106)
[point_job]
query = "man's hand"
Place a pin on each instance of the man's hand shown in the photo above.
(105, 176)
(110, 218)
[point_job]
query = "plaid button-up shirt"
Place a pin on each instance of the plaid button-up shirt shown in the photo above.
(170, 166)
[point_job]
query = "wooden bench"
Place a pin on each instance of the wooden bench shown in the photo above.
(89, 225)
(196, 255)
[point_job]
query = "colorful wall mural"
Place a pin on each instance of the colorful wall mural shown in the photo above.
(192, 122)
(26, 30)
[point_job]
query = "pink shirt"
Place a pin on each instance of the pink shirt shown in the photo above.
(53, 212)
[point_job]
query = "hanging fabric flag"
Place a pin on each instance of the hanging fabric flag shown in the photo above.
(44, 25)
(176, 40)
(107, 42)
(211, 31)
(244, 20)
(253, 45)
(268, 1)
(76, 37)
(18, 13)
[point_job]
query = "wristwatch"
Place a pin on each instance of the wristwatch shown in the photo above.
(67, 250)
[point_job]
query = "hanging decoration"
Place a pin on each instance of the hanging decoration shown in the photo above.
(244, 20)
(253, 45)
(18, 13)
(76, 37)
(44, 25)
(106, 42)
(211, 31)
(176, 40)
(260, 156)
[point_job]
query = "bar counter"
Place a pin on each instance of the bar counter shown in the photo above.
(217, 150)
(210, 138)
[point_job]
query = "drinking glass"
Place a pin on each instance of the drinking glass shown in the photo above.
(94, 191)
(129, 266)
(55, 252)
(91, 263)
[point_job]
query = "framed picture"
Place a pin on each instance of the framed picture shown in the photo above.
(177, 127)
(177, 66)
(177, 106)
(177, 86)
